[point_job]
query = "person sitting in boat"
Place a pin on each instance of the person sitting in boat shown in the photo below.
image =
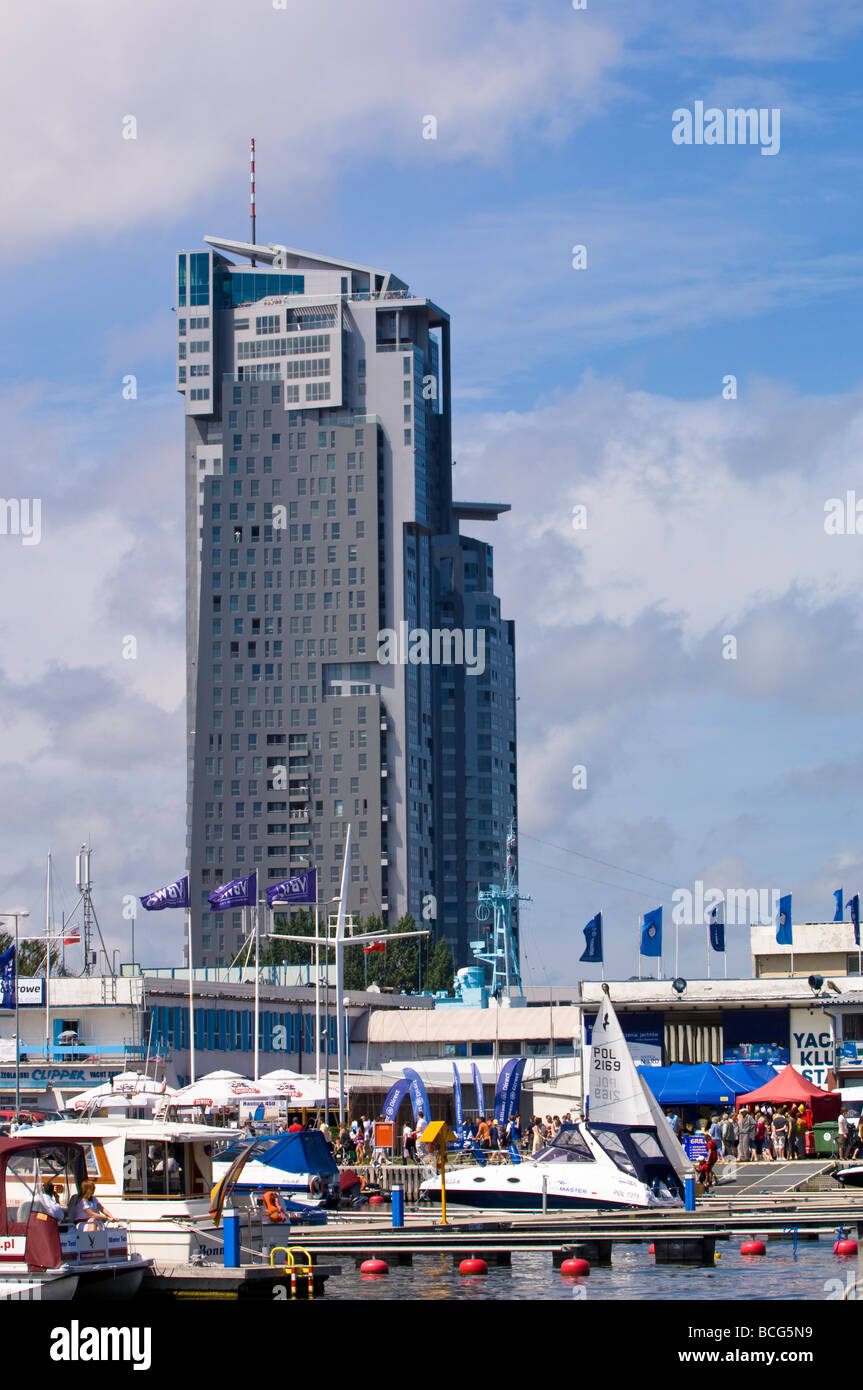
(87, 1212)
(46, 1201)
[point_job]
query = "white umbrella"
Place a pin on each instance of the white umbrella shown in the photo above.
(126, 1083)
(220, 1088)
(301, 1092)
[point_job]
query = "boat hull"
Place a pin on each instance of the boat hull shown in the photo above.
(56, 1288)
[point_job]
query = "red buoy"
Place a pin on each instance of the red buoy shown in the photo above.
(753, 1247)
(845, 1246)
(376, 1200)
(473, 1266)
(651, 1249)
(574, 1266)
(374, 1266)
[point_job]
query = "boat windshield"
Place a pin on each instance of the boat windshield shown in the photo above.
(567, 1147)
(613, 1146)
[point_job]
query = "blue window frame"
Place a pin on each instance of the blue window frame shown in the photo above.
(181, 281)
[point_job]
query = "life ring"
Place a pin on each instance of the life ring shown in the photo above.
(273, 1205)
(317, 1186)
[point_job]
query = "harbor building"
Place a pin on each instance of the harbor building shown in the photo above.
(346, 655)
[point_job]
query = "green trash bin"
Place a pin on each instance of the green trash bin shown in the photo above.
(825, 1139)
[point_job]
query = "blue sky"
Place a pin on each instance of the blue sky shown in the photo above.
(600, 386)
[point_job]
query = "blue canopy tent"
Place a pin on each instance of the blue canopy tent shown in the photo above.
(704, 1084)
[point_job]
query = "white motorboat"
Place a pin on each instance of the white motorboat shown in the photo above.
(43, 1257)
(154, 1177)
(625, 1155)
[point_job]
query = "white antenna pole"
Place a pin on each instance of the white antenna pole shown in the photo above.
(252, 193)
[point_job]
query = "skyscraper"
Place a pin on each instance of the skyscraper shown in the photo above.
(346, 658)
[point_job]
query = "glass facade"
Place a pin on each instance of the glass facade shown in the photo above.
(248, 286)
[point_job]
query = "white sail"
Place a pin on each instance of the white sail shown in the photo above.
(617, 1094)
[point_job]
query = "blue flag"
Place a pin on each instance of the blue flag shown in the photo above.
(854, 909)
(837, 898)
(651, 933)
(419, 1096)
(508, 1090)
(717, 928)
(174, 894)
(302, 888)
(240, 892)
(593, 938)
(395, 1096)
(783, 925)
(477, 1086)
(459, 1109)
(7, 979)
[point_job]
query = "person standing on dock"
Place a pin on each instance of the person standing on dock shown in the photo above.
(729, 1134)
(842, 1133)
(745, 1128)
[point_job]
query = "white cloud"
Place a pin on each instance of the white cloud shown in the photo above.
(319, 86)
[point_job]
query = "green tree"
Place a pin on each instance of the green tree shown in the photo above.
(441, 967)
(275, 952)
(31, 955)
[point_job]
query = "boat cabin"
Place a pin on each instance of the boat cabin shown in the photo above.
(633, 1150)
(29, 1234)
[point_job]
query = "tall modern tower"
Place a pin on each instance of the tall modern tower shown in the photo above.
(321, 538)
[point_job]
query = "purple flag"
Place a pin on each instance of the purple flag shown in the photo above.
(302, 888)
(240, 892)
(175, 894)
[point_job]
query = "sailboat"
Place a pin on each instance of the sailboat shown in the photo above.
(625, 1155)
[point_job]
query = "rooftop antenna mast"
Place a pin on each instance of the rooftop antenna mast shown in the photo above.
(252, 193)
(84, 885)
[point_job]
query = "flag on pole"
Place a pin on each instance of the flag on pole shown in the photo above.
(374, 946)
(592, 953)
(716, 925)
(783, 925)
(301, 888)
(837, 897)
(651, 933)
(7, 979)
(854, 909)
(174, 894)
(240, 892)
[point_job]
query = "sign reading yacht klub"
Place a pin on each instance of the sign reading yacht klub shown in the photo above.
(812, 1047)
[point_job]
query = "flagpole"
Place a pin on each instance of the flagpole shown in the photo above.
(257, 984)
(48, 959)
(640, 925)
(191, 1001)
(708, 950)
(317, 996)
(340, 976)
(676, 949)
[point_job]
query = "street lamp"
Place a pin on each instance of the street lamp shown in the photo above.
(22, 912)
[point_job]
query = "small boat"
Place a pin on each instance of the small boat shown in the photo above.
(849, 1177)
(154, 1176)
(298, 1166)
(625, 1155)
(43, 1258)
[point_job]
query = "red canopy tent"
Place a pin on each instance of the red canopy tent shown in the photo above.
(790, 1087)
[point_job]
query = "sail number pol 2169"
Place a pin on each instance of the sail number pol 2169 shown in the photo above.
(605, 1060)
